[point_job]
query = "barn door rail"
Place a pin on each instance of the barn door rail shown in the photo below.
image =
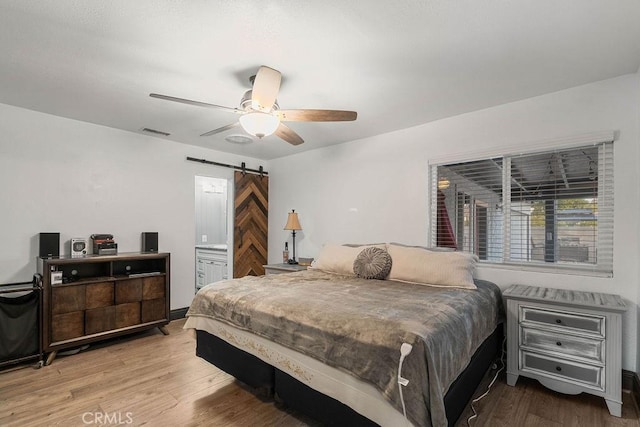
(243, 168)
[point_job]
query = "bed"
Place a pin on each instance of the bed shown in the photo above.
(328, 342)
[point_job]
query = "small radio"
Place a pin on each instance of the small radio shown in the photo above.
(103, 244)
(78, 247)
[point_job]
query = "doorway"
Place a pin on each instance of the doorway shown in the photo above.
(212, 239)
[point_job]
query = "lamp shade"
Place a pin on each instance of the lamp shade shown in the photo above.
(292, 221)
(259, 124)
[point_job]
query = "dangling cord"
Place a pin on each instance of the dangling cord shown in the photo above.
(495, 377)
(405, 349)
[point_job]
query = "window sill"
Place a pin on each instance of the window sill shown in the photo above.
(555, 269)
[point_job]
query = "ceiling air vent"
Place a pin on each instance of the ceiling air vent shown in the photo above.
(155, 132)
(239, 139)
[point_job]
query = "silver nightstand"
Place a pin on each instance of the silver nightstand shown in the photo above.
(283, 268)
(570, 341)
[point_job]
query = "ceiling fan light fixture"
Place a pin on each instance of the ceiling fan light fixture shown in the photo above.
(260, 114)
(259, 124)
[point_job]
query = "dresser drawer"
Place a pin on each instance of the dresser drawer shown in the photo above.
(583, 373)
(591, 349)
(576, 321)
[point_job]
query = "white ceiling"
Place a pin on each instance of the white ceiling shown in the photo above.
(397, 63)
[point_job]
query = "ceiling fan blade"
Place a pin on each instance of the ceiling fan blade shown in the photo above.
(265, 88)
(286, 133)
(222, 129)
(316, 115)
(196, 103)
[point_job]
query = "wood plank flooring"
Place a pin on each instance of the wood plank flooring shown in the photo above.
(156, 380)
(531, 404)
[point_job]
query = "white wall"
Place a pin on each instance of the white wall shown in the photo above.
(637, 190)
(77, 178)
(376, 189)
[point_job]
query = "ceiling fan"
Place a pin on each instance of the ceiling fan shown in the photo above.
(260, 114)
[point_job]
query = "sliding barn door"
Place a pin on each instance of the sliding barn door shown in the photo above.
(250, 230)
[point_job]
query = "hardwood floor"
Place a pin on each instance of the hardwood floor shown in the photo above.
(156, 380)
(153, 380)
(531, 404)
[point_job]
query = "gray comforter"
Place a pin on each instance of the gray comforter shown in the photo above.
(358, 326)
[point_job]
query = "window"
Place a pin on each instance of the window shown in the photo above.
(549, 209)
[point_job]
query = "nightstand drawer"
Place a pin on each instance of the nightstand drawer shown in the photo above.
(584, 348)
(583, 373)
(581, 322)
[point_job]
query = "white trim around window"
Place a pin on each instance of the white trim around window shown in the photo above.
(546, 209)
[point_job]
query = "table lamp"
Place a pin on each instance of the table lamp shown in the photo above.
(293, 224)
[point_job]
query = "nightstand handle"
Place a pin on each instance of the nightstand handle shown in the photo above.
(558, 343)
(558, 321)
(558, 368)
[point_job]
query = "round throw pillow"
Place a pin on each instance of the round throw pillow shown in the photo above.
(372, 263)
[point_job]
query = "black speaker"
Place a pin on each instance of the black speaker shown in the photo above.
(49, 245)
(150, 242)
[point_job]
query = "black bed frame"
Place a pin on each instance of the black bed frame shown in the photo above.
(271, 381)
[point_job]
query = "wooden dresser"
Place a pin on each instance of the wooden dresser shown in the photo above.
(570, 341)
(95, 297)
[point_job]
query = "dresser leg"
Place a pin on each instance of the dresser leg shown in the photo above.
(511, 379)
(164, 330)
(50, 358)
(615, 408)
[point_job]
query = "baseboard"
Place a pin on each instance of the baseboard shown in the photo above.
(178, 313)
(631, 384)
(628, 379)
(636, 390)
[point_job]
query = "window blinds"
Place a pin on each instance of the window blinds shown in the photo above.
(551, 209)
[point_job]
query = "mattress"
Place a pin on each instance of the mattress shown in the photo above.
(361, 396)
(357, 327)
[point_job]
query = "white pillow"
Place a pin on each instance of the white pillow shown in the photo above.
(337, 258)
(434, 268)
